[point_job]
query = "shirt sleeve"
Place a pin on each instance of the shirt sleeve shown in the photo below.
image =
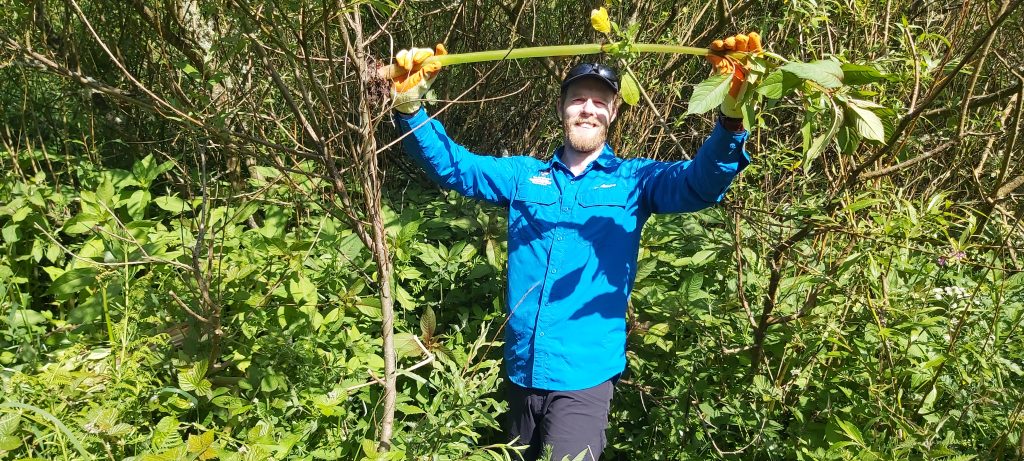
(675, 187)
(451, 165)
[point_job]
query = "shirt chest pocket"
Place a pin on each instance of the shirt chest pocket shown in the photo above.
(602, 214)
(534, 209)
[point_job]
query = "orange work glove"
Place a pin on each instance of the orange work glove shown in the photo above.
(408, 89)
(725, 65)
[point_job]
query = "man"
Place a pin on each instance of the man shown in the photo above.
(574, 234)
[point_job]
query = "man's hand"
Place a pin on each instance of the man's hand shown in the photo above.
(408, 89)
(726, 65)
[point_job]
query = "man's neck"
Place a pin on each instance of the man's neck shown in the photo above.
(578, 161)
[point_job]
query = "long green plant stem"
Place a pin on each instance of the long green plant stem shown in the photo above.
(391, 71)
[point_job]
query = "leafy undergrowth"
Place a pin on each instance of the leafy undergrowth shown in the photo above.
(893, 341)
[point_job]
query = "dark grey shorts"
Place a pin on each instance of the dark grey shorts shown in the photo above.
(569, 421)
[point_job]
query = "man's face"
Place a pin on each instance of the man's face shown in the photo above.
(587, 110)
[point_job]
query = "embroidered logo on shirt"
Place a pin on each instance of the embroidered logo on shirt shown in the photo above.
(606, 186)
(541, 180)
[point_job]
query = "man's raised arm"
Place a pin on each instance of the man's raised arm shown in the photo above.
(453, 166)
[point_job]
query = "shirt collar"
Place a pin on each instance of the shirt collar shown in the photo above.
(606, 160)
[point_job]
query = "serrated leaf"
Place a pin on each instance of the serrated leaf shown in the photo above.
(194, 379)
(428, 323)
(868, 125)
(629, 89)
(709, 94)
(201, 444)
(827, 73)
(165, 435)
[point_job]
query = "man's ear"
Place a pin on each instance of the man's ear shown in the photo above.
(616, 104)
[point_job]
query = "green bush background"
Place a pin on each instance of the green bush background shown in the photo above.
(892, 328)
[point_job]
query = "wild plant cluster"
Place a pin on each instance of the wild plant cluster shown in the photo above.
(214, 248)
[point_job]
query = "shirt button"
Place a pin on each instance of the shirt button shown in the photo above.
(565, 208)
(559, 237)
(554, 271)
(542, 333)
(732, 145)
(572, 181)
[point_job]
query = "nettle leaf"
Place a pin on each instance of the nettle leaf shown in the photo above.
(629, 89)
(709, 94)
(827, 73)
(867, 123)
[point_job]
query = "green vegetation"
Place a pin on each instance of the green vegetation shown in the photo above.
(212, 247)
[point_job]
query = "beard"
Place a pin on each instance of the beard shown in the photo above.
(584, 140)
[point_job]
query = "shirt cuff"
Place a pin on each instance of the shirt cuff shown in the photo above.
(730, 151)
(408, 121)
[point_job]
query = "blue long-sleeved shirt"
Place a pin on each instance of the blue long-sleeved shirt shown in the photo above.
(573, 241)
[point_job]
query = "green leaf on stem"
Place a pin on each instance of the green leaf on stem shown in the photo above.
(868, 124)
(630, 89)
(827, 73)
(777, 84)
(860, 74)
(821, 141)
(709, 94)
(428, 323)
(848, 140)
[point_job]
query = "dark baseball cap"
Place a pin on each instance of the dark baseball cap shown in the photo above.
(592, 70)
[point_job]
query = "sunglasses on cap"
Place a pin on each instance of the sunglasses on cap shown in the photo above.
(592, 70)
